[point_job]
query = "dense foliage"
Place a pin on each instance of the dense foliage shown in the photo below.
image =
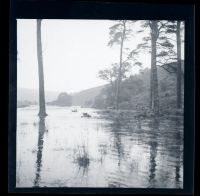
(135, 92)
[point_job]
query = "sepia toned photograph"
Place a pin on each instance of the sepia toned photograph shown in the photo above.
(100, 103)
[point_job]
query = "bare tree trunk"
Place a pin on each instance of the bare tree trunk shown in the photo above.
(154, 77)
(113, 91)
(179, 74)
(120, 66)
(151, 88)
(42, 108)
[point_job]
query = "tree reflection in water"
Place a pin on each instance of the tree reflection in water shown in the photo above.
(117, 152)
(153, 151)
(179, 140)
(116, 130)
(134, 153)
(39, 152)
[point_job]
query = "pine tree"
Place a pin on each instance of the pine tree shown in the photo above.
(174, 28)
(162, 52)
(118, 34)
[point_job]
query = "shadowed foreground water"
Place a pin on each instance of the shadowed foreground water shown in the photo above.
(66, 150)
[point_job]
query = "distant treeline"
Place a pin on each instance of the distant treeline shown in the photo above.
(25, 103)
(63, 99)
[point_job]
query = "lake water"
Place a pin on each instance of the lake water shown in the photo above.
(67, 150)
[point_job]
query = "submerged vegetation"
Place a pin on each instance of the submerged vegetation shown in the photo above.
(81, 156)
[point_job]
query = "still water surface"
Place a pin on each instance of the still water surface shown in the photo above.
(67, 150)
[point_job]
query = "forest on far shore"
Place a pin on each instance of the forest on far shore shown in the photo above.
(135, 92)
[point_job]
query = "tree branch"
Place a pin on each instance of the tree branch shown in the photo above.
(166, 69)
(162, 26)
(149, 22)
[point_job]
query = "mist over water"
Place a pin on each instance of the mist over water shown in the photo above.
(67, 150)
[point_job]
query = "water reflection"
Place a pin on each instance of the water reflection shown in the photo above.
(179, 141)
(154, 125)
(121, 151)
(117, 131)
(139, 126)
(118, 147)
(39, 152)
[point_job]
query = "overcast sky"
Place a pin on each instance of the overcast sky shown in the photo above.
(73, 53)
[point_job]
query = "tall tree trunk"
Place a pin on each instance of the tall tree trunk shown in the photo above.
(115, 94)
(42, 108)
(154, 77)
(151, 89)
(178, 39)
(120, 66)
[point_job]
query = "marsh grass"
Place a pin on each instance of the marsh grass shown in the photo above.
(81, 156)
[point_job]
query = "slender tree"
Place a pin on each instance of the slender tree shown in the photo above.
(154, 78)
(174, 28)
(42, 108)
(178, 38)
(118, 34)
(111, 75)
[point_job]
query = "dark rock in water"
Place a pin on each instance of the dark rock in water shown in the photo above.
(86, 115)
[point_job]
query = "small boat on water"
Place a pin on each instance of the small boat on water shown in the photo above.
(75, 110)
(85, 114)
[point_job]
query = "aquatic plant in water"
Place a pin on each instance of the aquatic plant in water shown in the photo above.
(82, 156)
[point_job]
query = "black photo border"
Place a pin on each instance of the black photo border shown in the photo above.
(63, 9)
